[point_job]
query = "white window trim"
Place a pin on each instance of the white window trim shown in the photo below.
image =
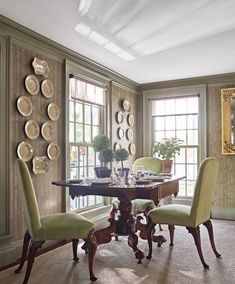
(174, 92)
(73, 68)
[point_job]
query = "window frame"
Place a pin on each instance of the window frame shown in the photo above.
(150, 95)
(82, 72)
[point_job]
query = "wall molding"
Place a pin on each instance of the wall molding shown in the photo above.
(24, 34)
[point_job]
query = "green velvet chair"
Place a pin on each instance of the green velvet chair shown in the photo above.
(149, 164)
(190, 216)
(141, 205)
(60, 226)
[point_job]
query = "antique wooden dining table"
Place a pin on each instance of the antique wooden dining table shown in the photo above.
(124, 223)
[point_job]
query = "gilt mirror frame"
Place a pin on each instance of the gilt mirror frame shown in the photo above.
(228, 121)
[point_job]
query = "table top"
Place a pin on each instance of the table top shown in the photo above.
(153, 190)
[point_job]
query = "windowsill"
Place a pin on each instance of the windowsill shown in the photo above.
(181, 200)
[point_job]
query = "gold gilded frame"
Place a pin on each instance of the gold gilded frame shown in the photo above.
(226, 95)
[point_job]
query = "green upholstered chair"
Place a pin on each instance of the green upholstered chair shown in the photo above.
(190, 216)
(141, 205)
(149, 164)
(59, 226)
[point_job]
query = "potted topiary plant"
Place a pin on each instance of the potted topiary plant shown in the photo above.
(167, 149)
(122, 155)
(101, 145)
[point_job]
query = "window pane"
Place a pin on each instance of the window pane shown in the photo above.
(91, 156)
(170, 122)
(79, 133)
(180, 105)
(170, 106)
(181, 134)
(159, 135)
(159, 123)
(192, 121)
(158, 107)
(169, 134)
(180, 170)
(192, 155)
(79, 112)
(87, 118)
(192, 105)
(72, 83)
(90, 92)
(95, 131)
(80, 89)
(87, 138)
(181, 122)
(191, 172)
(91, 200)
(190, 187)
(73, 173)
(192, 137)
(95, 115)
(181, 158)
(182, 188)
(73, 156)
(71, 111)
(99, 95)
(71, 132)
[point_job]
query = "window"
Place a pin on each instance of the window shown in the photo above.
(178, 117)
(178, 112)
(86, 110)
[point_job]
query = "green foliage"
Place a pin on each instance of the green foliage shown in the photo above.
(100, 142)
(167, 148)
(121, 155)
(106, 156)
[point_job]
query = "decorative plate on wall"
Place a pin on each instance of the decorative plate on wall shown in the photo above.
(132, 149)
(119, 117)
(47, 88)
(116, 146)
(120, 133)
(53, 111)
(53, 151)
(130, 120)
(40, 67)
(31, 129)
(40, 165)
(126, 105)
(129, 134)
(47, 131)
(32, 84)
(24, 106)
(25, 151)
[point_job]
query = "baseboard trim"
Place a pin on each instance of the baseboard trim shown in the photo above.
(223, 213)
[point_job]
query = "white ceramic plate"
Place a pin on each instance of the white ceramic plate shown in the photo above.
(53, 111)
(129, 134)
(32, 84)
(24, 106)
(130, 120)
(47, 88)
(116, 146)
(47, 131)
(25, 151)
(53, 151)
(119, 117)
(32, 129)
(40, 67)
(120, 133)
(132, 148)
(126, 105)
(40, 165)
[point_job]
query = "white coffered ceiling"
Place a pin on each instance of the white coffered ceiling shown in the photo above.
(144, 40)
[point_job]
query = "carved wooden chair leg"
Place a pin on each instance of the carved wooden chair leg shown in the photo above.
(75, 249)
(26, 241)
(34, 246)
(171, 230)
(197, 239)
(209, 227)
(92, 247)
(149, 233)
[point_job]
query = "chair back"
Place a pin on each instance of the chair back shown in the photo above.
(29, 198)
(149, 164)
(205, 182)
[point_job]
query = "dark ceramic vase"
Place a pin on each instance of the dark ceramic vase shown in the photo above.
(102, 172)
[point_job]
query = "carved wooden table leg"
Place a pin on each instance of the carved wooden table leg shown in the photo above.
(126, 226)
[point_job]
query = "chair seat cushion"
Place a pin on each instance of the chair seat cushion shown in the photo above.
(63, 226)
(173, 214)
(139, 205)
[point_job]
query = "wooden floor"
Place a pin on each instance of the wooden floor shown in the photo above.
(115, 262)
